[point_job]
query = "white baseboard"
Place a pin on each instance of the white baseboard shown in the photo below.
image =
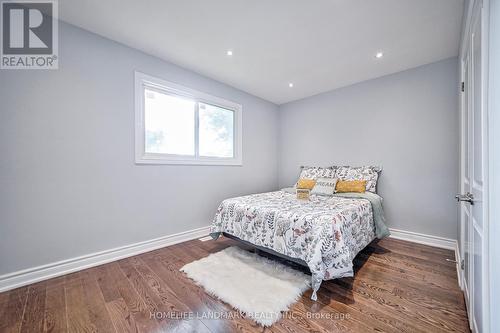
(44, 272)
(444, 243)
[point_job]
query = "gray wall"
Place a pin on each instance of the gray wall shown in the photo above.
(406, 122)
(68, 182)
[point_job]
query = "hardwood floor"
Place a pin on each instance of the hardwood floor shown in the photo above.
(398, 287)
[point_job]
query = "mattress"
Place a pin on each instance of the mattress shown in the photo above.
(325, 232)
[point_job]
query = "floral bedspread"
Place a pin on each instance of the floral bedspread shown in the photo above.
(325, 232)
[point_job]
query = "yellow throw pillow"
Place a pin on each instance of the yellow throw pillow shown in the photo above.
(344, 186)
(305, 183)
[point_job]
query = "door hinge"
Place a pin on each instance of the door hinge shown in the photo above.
(463, 86)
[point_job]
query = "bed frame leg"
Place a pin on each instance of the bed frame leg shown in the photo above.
(315, 284)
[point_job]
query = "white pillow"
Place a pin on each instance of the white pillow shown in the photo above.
(324, 186)
(309, 172)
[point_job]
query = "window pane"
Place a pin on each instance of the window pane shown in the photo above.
(169, 123)
(216, 131)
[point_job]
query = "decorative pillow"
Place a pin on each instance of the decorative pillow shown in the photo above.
(305, 183)
(324, 186)
(303, 194)
(368, 173)
(344, 186)
(309, 172)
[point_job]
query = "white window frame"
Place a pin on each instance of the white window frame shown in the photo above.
(143, 81)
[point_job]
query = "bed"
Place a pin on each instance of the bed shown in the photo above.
(324, 232)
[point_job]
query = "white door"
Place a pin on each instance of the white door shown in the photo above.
(472, 177)
(465, 209)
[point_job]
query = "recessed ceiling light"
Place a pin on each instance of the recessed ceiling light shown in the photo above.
(290, 85)
(379, 55)
(229, 52)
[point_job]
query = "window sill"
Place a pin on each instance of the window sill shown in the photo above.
(212, 161)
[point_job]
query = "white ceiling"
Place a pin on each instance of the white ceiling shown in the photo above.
(318, 45)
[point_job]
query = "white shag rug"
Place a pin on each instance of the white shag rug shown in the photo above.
(259, 287)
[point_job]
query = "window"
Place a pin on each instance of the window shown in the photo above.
(178, 125)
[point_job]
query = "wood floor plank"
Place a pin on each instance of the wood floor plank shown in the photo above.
(398, 287)
(163, 303)
(123, 321)
(439, 261)
(136, 305)
(345, 300)
(421, 251)
(401, 278)
(344, 315)
(55, 307)
(165, 291)
(419, 277)
(4, 300)
(183, 289)
(394, 306)
(77, 315)
(425, 274)
(34, 312)
(302, 314)
(416, 264)
(96, 305)
(410, 310)
(159, 286)
(14, 310)
(106, 283)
